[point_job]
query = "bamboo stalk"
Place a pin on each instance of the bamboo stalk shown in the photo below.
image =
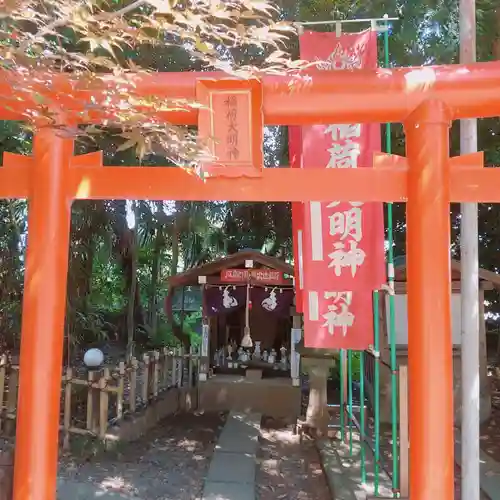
(342, 397)
(349, 392)
(376, 389)
(362, 414)
(404, 439)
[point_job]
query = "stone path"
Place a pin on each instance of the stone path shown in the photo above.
(231, 475)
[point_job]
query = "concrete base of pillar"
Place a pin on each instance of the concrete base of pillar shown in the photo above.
(317, 416)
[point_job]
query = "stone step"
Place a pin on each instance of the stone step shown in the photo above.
(231, 474)
(232, 468)
(228, 491)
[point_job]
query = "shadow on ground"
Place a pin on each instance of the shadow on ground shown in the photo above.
(288, 469)
(170, 462)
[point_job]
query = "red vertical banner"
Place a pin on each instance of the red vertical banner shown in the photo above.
(343, 243)
(295, 156)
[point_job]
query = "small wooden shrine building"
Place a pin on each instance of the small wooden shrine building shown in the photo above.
(248, 357)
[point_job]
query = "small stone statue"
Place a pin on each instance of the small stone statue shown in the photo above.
(256, 353)
(283, 358)
(265, 356)
(272, 357)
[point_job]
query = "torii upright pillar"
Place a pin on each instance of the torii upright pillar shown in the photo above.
(429, 299)
(44, 308)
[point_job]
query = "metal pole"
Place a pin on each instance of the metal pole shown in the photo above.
(469, 284)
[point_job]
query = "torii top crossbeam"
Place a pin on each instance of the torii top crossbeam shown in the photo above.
(360, 96)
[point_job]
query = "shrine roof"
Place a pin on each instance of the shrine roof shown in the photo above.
(484, 274)
(238, 259)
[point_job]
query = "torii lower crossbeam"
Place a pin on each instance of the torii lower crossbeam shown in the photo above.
(425, 100)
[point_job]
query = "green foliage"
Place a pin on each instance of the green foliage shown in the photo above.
(355, 369)
(169, 237)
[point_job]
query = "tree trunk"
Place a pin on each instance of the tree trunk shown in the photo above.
(496, 42)
(155, 270)
(177, 329)
(133, 288)
(175, 242)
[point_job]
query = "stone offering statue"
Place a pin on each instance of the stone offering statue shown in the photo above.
(230, 351)
(272, 357)
(256, 353)
(283, 359)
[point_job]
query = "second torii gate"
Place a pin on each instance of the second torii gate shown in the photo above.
(426, 100)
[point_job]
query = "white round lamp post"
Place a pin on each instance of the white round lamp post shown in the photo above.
(93, 358)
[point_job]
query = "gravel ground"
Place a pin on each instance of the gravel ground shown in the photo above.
(169, 463)
(288, 469)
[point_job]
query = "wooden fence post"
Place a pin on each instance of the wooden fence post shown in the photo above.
(165, 374)
(145, 380)
(92, 404)
(174, 368)
(133, 385)
(120, 391)
(67, 407)
(103, 403)
(3, 365)
(190, 366)
(180, 367)
(13, 386)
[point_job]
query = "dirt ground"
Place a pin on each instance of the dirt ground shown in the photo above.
(169, 463)
(490, 431)
(288, 469)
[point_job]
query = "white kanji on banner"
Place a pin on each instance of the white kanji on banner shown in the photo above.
(344, 155)
(347, 223)
(346, 256)
(338, 314)
(343, 131)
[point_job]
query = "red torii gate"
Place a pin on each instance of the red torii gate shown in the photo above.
(424, 99)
